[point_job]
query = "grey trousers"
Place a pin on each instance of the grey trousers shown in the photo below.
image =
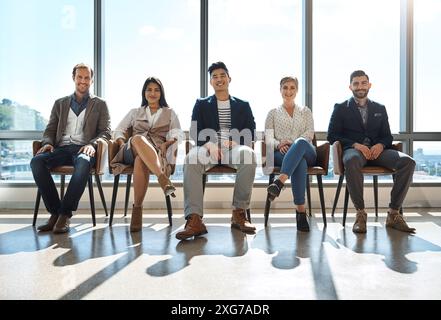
(404, 165)
(197, 162)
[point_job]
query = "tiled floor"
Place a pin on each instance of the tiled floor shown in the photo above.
(276, 263)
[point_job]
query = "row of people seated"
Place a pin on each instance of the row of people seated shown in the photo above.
(223, 129)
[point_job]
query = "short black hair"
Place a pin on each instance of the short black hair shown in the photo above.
(218, 65)
(358, 73)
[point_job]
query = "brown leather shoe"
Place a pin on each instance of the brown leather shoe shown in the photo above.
(193, 227)
(396, 221)
(239, 221)
(49, 225)
(62, 225)
(166, 185)
(360, 222)
(136, 220)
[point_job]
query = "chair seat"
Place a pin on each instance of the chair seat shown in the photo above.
(221, 169)
(376, 170)
(128, 170)
(67, 170)
(311, 170)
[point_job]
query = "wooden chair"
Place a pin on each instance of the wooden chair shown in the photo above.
(319, 169)
(97, 171)
(113, 150)
(216, 170)
(367, 170)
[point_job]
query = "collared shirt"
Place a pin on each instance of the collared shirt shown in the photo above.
(76, 106)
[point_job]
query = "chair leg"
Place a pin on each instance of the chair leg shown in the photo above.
(114, 193)
(345, 208)
(204, 182)
(337, 194)
(126, 201)
(169, 210)
(92, 200)
(308, 195)
(63, 182)
(322, 198)
(100, 189)
(249, 214)
(375, 178)
(268, 202)
(37, 205)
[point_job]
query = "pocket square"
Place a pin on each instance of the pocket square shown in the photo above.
(377, 114)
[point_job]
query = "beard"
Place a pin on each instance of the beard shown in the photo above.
(360, 94)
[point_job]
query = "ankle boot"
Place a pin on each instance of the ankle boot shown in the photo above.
(136, 220)
(360, 222)
(166, 185)
(274, 189)
(193, 227)
(302, 221)
(240, 221)
(49, 225)
(396, 221)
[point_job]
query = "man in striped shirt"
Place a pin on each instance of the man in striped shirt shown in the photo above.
(223, 128)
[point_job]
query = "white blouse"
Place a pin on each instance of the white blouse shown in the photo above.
(279, 125)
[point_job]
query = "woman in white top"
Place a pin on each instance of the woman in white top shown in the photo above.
(155, 127)
(289, 131)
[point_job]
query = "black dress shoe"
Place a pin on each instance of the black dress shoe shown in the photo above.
(274, 189)
(302, 221)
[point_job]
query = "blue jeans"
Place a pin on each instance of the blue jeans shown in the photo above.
(295, 164)
(65, 155)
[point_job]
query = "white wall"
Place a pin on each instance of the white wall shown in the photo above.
(220, 197)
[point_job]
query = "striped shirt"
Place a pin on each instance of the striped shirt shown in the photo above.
(224, 112)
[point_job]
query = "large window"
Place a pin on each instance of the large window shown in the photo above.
(427, 155)
(260, 41)
(351, 35)
(41, 41)
(427, 75)
(151, 38)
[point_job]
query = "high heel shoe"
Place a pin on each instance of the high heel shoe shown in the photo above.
(166, 185)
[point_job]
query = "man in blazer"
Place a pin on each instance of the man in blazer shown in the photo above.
(362, 127)
(223, 128)
(75, 124)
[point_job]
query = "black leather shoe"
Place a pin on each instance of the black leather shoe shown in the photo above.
(49, 225)
(274, 189)
(302, 221)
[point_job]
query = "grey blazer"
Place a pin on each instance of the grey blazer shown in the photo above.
(96, 121)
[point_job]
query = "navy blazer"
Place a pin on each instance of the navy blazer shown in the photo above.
(347, 127)
(206, 115)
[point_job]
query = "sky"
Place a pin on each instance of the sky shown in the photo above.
(259, 40)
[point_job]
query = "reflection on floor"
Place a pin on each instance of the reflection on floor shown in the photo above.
(276, 263)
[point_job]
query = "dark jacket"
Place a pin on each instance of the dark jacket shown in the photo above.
(347, 127)
(206, 116)
(96, 121)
